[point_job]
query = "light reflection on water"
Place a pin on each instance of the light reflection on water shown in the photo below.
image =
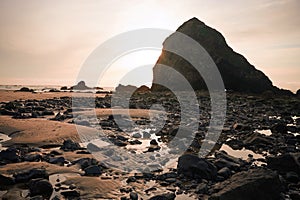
(243, 153)
(266, 132)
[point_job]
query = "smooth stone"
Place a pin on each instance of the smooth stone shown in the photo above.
(194, 167)
(40, 187)
(168, 196)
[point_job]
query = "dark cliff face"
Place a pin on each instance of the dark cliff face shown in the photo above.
(237, 73)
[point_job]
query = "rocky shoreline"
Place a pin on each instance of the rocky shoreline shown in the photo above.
(265, 128)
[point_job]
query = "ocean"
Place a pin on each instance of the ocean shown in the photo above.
(44, 88)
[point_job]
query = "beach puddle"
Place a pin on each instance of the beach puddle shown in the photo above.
(185, 197)
(3, 138)
(274, 117)
(2, 192)
(243, 154)
(98, 142)
(266, 132)
(56, 181)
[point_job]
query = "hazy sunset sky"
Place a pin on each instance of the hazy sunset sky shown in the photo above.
(45, 42)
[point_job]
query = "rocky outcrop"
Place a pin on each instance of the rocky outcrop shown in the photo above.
(132, 88)
(126, 88)
(237, 73)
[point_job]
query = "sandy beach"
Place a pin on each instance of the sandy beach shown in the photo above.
(7, 95)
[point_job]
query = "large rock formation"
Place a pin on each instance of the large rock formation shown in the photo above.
(237, 73)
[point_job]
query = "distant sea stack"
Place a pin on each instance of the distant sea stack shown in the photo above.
(237, 73)
(80, 86)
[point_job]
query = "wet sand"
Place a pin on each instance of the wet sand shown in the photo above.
(6, 95)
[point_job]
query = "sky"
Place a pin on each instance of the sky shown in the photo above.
(46, 42)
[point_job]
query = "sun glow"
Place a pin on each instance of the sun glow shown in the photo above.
(131, 65)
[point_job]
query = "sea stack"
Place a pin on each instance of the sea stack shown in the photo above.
(237, 73)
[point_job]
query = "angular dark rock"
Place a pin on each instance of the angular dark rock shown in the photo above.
(259, 184)
(72, 194)
(93, 170)
(153, 142)
(194, 167)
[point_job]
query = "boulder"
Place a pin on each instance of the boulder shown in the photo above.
(57, 160)
(289, 162)
(72, 194)
(225, 172)
(194, 167)
(6, 181)
(93, 170)
(85, 162)
(168, 196)
(279, 128)
(258, 184)
(32, 157)
(133, 196)
(40, 187)
(11, 155)
(69, 145)
(25, 176)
